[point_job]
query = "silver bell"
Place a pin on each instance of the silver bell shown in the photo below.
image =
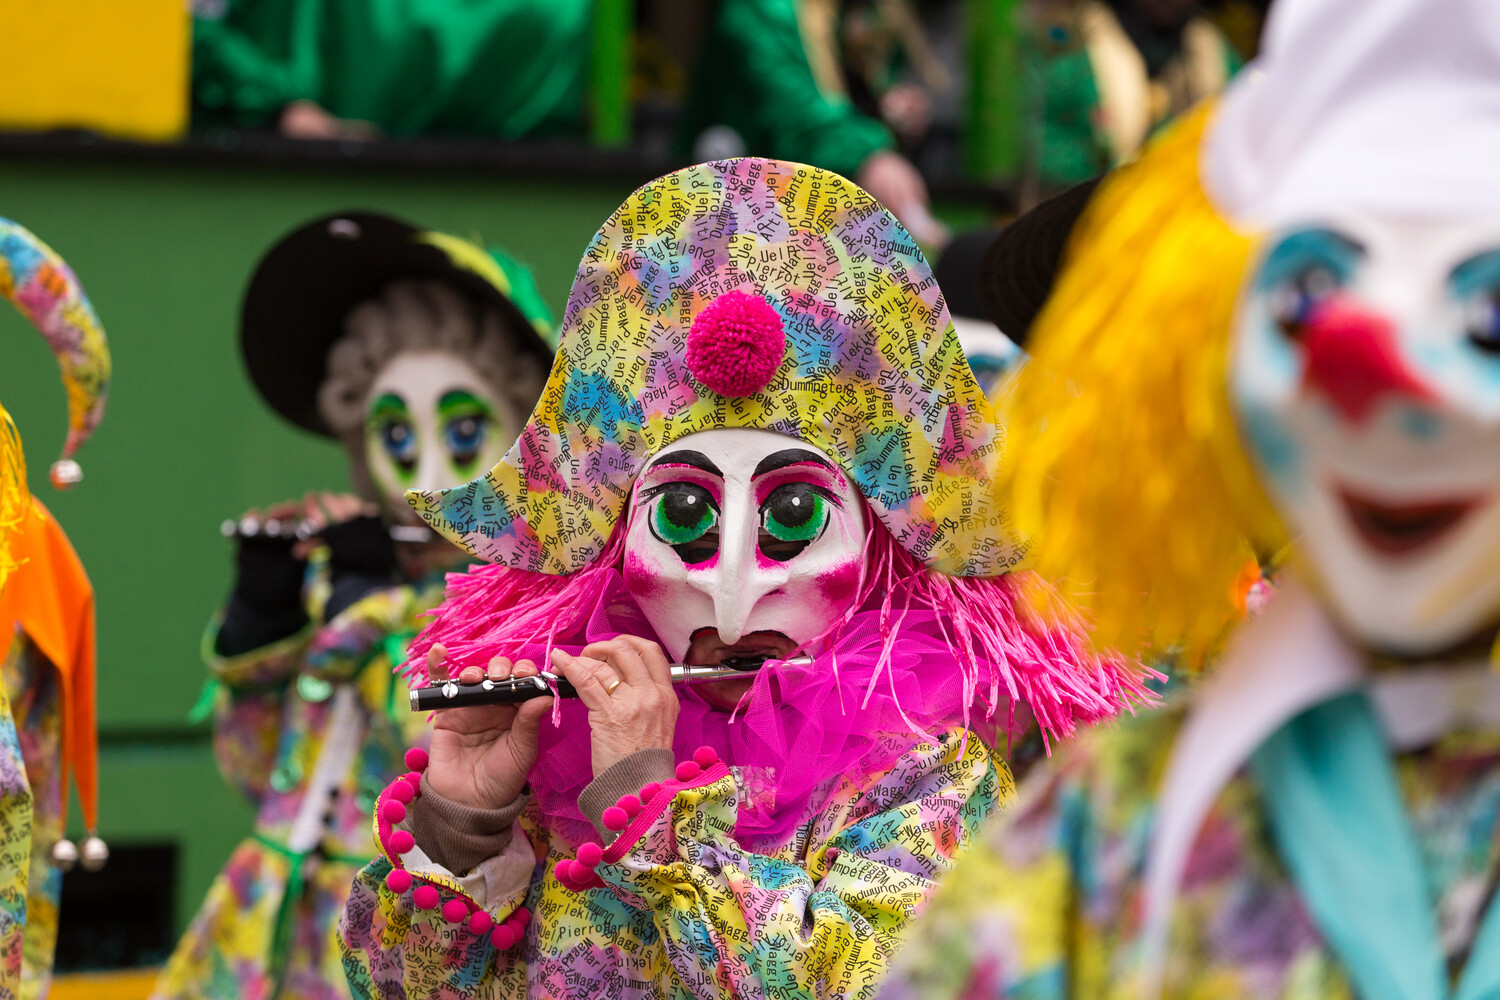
(65, 473)
(95, 853)
(65, 854)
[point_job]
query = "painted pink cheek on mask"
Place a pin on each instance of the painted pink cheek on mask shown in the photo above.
(643, 576)
(840, 583)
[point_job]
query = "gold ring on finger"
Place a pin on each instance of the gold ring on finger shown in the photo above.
(610, 687)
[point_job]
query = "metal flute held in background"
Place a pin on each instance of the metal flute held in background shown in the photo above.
(451, 694)
(303, 529)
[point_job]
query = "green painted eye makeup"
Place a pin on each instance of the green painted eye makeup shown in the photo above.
(390, 421)
(795, 512)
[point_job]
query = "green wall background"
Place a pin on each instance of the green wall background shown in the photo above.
(164, 250)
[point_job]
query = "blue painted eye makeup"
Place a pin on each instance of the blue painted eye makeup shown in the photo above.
(392, 422)
(1301, 271)
(1475, 284)
(465, 420)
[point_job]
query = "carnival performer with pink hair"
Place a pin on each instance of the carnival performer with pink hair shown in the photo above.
(760, 452)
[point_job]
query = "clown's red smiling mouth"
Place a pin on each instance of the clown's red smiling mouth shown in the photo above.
(1402, 529)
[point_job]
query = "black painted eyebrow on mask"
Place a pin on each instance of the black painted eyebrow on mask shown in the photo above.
(789, 456)
(696, 459)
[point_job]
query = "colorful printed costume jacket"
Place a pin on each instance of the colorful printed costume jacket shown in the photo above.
(1048, 903)
(310, 729)
(675, 907)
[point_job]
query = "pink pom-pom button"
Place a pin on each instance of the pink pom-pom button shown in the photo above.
(563, 873)
(614, 818)
(705, 757)
(414, 781)
(590, 854)
(579, 873)
(401, 790)
(735, 344)
(503, 937)
(455, 910)
(630, 804)
(416, 759)
(401, 841)
(398, 881)
(649, 792)
(522, 916)
(426, 897)
(392, 811)
(480, 922)
(688, 770)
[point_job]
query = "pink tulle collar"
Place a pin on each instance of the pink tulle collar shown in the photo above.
(888, 681)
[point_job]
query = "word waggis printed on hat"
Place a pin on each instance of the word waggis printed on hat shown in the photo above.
(45, 290)
(747, 293)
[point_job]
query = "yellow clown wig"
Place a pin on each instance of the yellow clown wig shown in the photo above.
(1127, 452)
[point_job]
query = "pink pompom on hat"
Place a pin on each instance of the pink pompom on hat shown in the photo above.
(736, 344)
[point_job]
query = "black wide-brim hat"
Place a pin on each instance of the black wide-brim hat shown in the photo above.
(1017, 271)
(304, 287)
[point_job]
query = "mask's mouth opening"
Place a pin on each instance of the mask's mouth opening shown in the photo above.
(752, 651)
(1404, 529)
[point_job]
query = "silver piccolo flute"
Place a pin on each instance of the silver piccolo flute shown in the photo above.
(452, 694)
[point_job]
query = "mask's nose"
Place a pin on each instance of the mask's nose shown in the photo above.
(432, 466)
(737, 582)
(1354, 360)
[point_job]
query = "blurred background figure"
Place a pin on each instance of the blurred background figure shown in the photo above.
(333, 69)
(1100, 76)
(47, 650)
(421, 353)
(821, 82)
(992, 354)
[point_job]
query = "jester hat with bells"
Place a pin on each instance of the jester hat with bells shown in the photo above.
(754, 293)
(43, 588)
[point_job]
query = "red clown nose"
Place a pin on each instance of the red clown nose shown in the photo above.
(1352, 358)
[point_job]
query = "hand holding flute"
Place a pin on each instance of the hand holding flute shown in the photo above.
(481, 753)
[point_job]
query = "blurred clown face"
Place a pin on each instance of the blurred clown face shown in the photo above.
(431, 422)
(742, 544)
(1366, 376)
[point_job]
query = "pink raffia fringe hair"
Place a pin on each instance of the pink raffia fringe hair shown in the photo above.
(1012, 638)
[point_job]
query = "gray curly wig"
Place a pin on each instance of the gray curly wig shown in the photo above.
(415, 316)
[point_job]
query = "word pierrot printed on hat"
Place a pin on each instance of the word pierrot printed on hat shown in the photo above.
(747, 293)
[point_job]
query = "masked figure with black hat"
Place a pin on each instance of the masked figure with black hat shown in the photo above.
(421, 353)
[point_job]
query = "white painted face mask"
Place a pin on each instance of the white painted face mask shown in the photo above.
(743, 544)
(431, 422)
(1366, 378)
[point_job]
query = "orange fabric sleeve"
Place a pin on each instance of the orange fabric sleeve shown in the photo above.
(49, 596)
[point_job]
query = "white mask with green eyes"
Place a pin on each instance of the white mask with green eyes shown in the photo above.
(431, 422)
(743, 543)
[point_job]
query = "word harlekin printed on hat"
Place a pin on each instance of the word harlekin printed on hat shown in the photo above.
(45, 290)
(857, 358)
